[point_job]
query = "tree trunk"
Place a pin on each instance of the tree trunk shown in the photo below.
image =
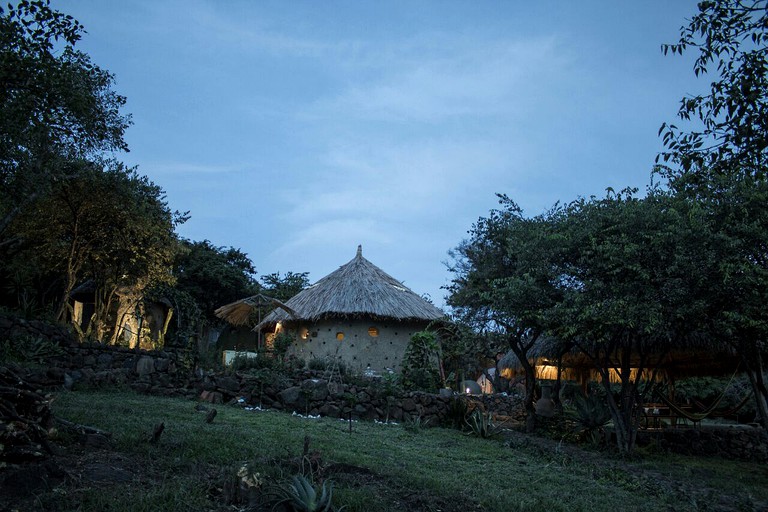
(623, 413)
(754, 368)
(530, 391)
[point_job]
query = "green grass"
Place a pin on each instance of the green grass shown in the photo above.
(396, 468)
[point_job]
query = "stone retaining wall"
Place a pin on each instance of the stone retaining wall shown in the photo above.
(738, 442)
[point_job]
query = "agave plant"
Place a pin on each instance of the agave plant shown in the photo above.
(591, 414)
(481, 425)
(300, 495)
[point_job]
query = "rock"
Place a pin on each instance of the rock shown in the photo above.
(330, 409)
(104, 361)
(162, 365)
(145, 366)
(213, 397)
(317, 389)
(228, 384)
(409, 405)
(290, 396)
(141, 387)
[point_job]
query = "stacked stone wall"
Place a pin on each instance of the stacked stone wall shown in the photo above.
(171, 373)
(738, 442)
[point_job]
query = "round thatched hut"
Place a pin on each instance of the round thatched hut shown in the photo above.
(358, 313)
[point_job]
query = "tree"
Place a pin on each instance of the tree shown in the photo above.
(56, 106)
(720, 163)
(214, 276)
(285, 287)
(111, 226)
(731, 132)
(504, 282)
(632, 291)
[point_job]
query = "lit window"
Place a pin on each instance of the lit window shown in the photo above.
(339, 336)
(373, 332)
(304, 333)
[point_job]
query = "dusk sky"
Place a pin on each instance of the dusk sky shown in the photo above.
(296, 131)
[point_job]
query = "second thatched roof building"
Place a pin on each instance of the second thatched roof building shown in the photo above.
(358, 313)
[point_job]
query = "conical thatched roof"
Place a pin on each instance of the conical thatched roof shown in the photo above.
(356, 289)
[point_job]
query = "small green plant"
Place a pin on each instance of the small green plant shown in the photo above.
(481, 425)
(300, 495)
(282, 343)
(419, 369)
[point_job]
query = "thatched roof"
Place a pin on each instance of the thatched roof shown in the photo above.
(239, 312)
(357, 289)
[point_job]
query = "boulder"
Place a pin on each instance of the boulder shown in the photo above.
(290, 396)
(228, 384)
(145, 366)
(317, 389)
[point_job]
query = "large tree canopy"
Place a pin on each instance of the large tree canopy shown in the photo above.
(55, 104)
(633, 289)
(719, 159)
(503, 282)
(111, 226)
(214, 276)
(727, 127)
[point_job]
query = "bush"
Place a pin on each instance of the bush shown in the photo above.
(419, 371)
(28, 349)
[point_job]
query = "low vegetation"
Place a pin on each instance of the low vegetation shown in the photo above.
(243, 458)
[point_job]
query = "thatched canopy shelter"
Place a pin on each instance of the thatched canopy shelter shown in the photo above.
(358, 289)
(239, 313)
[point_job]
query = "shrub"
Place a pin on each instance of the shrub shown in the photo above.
(419, 369)
(591, 415)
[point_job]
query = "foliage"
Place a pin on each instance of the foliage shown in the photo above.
(214, 276)
(324, 364)
(284, 287)
(57, 105)
(111, 226)
(731, 130)
(461, 352)
(419, 370)
(504, 281)
(632, 291)
(481, 424)
(28, 349)
(705, 390)
(458, 412)
(718, 160)
(301, 495)
(281, 344)
(591, 415)
(416, 423)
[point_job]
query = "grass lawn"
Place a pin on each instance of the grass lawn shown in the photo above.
(194, 465)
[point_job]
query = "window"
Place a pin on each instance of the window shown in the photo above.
(373, 332)
(340, 336)
(304, 333)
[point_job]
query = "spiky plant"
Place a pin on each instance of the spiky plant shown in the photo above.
(481, 424)
(300, 495)
(591, 415)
